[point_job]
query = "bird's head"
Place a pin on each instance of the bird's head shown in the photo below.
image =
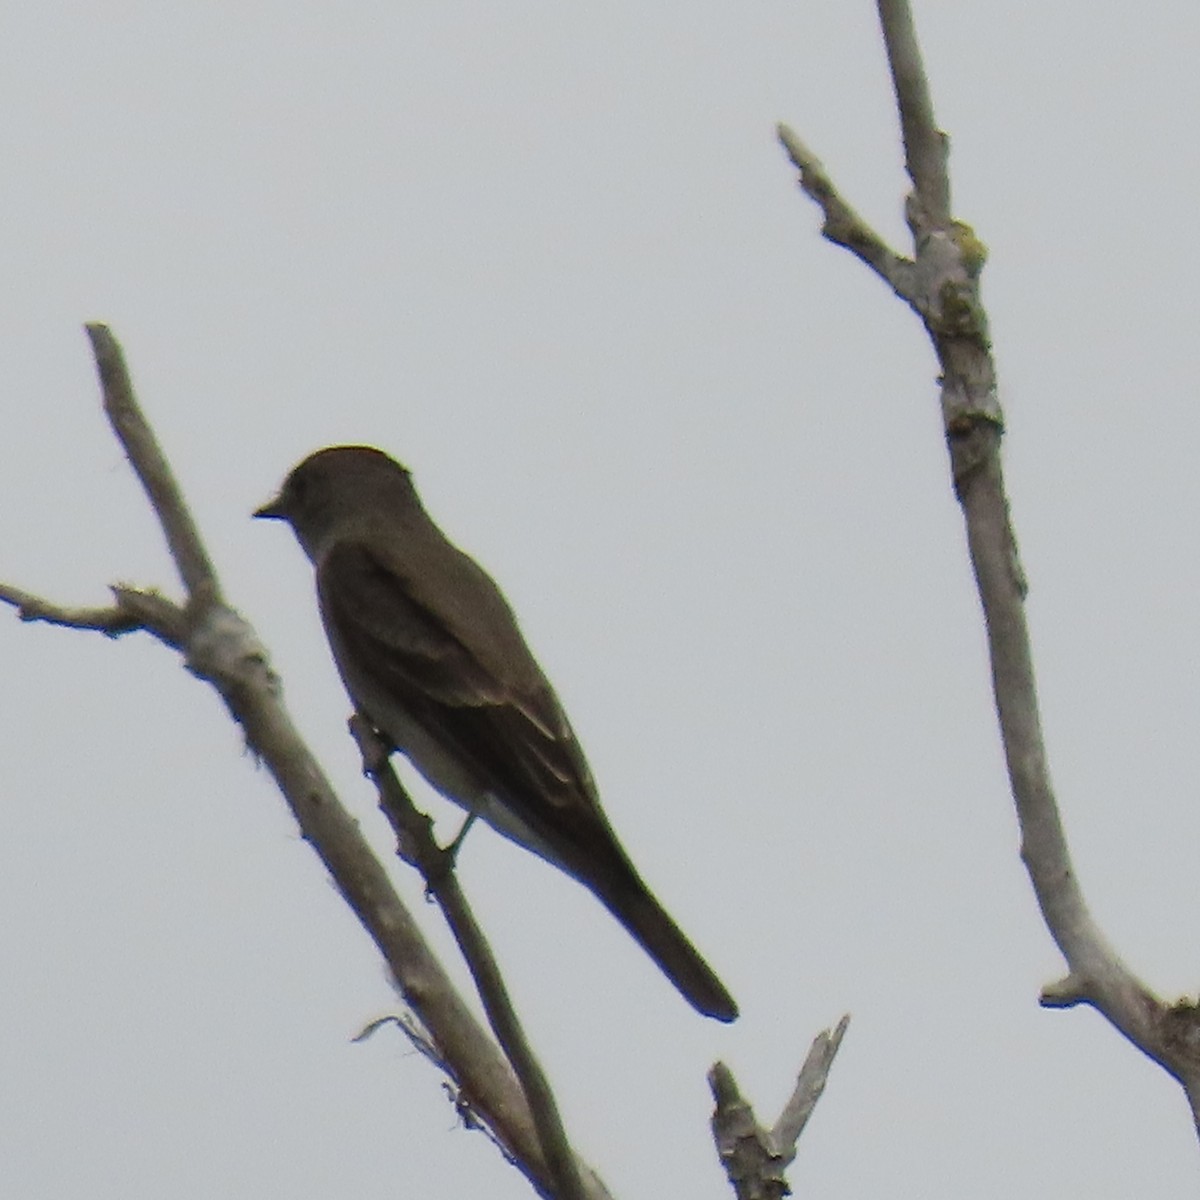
(337, 486)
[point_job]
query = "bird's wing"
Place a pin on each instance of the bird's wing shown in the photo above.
(454, 660)
(462, 671)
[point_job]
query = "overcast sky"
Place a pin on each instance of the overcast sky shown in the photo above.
(551, 257)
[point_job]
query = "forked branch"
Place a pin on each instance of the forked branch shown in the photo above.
(941, 283)
(220, 646)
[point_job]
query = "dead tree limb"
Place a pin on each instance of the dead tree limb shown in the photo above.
(941, 284)
(219, 646)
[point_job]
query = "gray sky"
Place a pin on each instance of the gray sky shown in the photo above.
(552, 258)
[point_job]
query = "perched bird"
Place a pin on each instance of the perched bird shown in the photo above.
(431, 655)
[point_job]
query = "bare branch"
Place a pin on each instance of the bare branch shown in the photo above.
(843, 226)
(484, 1081)
(112, 620)
(925, 146)
(745, 1148)
(151, 466)
(418, 1037)
(948, 261)
(754, 1157)
(221, 647)
(414, 832)
(135, 609)
(809, 1087)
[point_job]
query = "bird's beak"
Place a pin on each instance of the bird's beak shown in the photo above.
(273, 510)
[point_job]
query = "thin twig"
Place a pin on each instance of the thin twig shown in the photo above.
(135, 609)
(112, 620)
(809, 1087)
(925, 146)
(414, 832)
(843, 226)
(195, 568)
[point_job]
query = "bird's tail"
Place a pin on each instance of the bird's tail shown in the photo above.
(636, 908)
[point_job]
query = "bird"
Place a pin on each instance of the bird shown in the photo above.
(431, 654)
